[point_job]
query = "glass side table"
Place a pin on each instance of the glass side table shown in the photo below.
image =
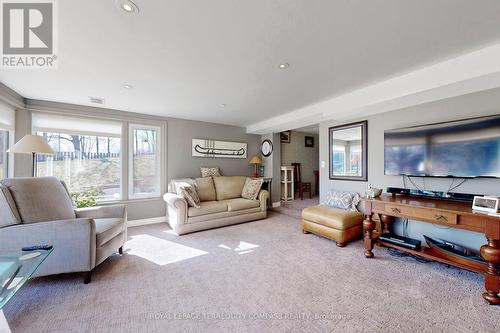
(16, 270)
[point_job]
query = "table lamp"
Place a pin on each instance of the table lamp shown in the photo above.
(32, 144)
(256, 160)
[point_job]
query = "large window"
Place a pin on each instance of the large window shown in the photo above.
(4, 145)
(85, 162)
(106, 158)
(144, 173)
(88, 153)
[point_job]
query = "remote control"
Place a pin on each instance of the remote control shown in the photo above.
(37, 247)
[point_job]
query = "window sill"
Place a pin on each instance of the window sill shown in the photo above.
(114, 202)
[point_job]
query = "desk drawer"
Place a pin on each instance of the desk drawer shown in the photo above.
(436, 215)
(398, 210)
(422, 214)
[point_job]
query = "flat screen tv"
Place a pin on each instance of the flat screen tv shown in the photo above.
(464, 149)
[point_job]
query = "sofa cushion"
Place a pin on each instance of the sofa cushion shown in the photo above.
(40, 199)
(251, 188)
(222, 216)
(229, 187)
(332, 217)
(107, 229)
(207, 207)
(210, 171)
(206, 189)
(240, 204)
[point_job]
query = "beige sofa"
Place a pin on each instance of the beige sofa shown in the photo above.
(221, 205)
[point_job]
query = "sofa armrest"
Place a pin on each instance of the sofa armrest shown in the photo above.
(177, 209)
(263, 197)
(74, 242)
(102, 212)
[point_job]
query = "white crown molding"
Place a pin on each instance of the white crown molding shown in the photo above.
(11, 97)
(469, 73)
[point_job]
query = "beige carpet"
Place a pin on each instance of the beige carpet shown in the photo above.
(294, 208)
(263, 276)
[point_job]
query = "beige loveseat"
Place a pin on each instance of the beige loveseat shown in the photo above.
(221, 204)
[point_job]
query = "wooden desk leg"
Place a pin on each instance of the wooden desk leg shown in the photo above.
(368, 226)
(491, 253)
(386, 220)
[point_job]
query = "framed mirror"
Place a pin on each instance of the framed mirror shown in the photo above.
(348, 146)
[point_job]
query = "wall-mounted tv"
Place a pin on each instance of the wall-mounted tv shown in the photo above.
(463, 149)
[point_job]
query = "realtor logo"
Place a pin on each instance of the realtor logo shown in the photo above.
(28, 34)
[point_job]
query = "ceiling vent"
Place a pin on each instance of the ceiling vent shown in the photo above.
(96, 100)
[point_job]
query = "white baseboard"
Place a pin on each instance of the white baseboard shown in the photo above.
(277, 204)
(153, 220)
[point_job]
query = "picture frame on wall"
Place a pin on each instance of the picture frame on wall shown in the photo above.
(208, 148)
(309, 141)
(285, 136)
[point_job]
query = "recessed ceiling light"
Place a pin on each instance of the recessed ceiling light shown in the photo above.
(127, 86)
(128, 6)
(223, 105)
(284, 65)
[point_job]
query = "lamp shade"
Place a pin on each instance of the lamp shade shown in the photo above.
(256, 160)
(30, 144)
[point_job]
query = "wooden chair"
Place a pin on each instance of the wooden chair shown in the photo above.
(300, 186)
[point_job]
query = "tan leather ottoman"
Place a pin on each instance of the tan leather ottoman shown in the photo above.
(337, 224)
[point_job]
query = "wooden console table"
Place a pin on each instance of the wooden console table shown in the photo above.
(454, 214)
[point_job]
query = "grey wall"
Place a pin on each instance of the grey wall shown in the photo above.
(179, 162)
(182, 164)
(297, 152)
(473, 105)
(272, 165)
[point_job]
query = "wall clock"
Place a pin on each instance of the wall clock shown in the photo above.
(266, 148)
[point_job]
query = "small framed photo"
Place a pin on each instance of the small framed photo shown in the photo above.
(285, 136)
(309, 141)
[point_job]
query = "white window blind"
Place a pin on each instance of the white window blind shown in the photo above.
(47, 122)
(7, 116)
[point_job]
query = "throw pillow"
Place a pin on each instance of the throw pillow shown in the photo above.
(342, 199)
(189, 193)
(175, 183)
(210, 171)
(252, 188)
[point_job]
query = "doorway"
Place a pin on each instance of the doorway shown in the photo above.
(300, 156)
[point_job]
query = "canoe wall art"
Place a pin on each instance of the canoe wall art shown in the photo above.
(214, 148)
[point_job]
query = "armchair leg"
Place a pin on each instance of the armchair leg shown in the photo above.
(120, 250)
(88, 277)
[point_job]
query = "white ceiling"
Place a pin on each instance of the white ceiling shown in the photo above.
(185, 58)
